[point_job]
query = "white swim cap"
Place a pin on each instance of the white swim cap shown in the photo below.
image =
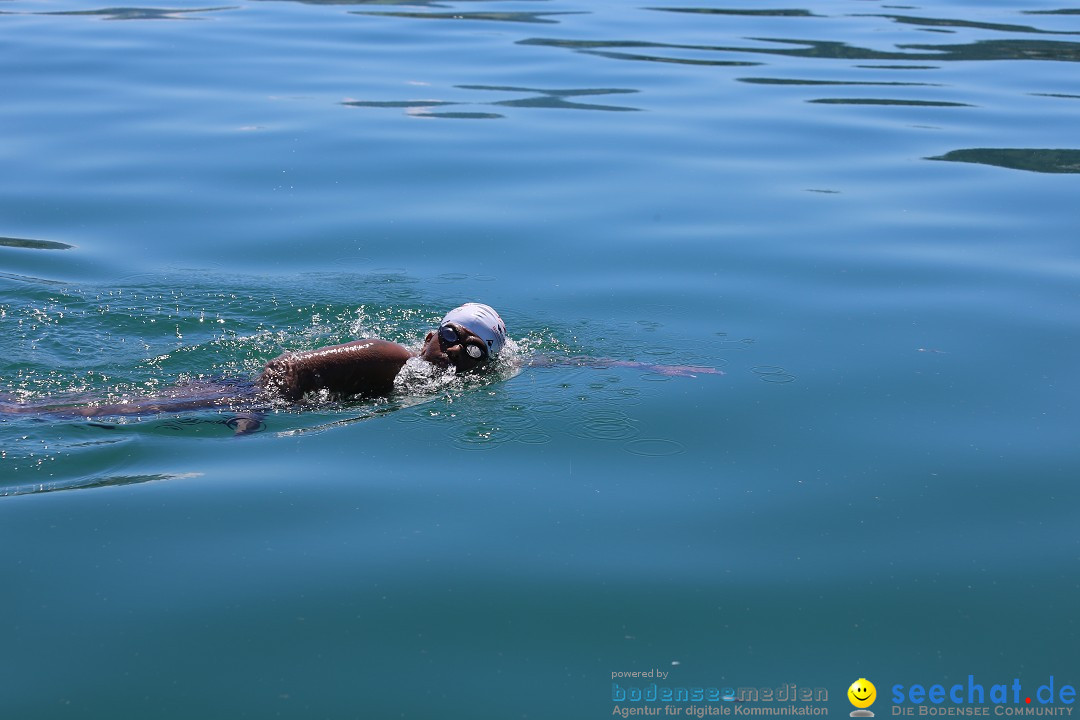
(483, 321)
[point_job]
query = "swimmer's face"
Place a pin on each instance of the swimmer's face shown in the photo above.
(466, 351)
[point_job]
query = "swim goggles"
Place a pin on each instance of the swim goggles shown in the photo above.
(452, 334)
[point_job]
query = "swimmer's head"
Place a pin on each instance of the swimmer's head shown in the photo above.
(468, 337)
(482, 321)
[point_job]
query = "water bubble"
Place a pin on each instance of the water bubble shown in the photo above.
(482, 436)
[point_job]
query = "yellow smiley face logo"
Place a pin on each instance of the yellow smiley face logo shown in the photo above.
(862, 693)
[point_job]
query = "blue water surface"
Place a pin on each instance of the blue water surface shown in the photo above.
(864, 214)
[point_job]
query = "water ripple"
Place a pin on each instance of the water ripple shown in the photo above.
(33, 244)
(772, 374)
(845, 83)
(517, 17)
(136, 13)
(554, 99)
(949, 23)
(654, 447)
(1052, 50)
(1013, 49)
(605, 425)
(889, 101)
(536, 98)
(1031, 159)
(410, 3)
(755, 12)
(93, 482)
(481, 436)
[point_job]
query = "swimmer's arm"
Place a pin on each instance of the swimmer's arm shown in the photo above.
(242, 423)
(582, 361)
(363, 367)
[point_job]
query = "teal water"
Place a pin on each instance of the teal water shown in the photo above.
(864, 214)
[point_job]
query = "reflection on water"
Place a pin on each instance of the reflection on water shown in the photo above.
(616, 49)
(423, 108)
(1034, 160)
(754, 12)
(536, 98)
(94, 482)
(942, 22)
(829, 50)
(519, 17)
(1052, 50)
(734, 46)
(126, 13)
(33, 244)
(799, 81)
(888, 101)
(408, 3)
(554, 99)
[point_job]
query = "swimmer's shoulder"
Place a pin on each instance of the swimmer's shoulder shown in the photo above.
(367, 350)
(360, 367)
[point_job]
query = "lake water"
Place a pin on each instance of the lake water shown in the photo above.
(865, 214)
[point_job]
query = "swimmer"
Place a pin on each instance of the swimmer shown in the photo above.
(468, 339)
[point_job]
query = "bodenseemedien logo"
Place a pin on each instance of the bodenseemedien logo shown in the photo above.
(862, 695)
